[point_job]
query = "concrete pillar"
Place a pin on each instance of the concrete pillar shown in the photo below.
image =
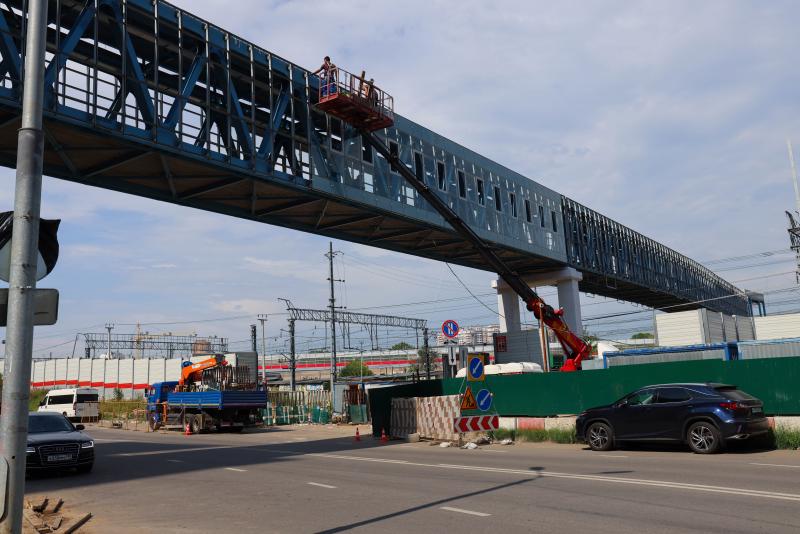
(569, 299)
(507, 307)
(566, 281)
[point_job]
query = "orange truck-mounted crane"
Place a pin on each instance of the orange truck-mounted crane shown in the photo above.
(339, 97)
(192, 372)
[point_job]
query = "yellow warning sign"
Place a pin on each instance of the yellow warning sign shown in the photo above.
(468, 401)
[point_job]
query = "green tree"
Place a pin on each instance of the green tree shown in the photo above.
(118, 394)
(401, 346)
(643, 335)
(355, 368)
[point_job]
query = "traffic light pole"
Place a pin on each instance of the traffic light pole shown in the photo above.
(22, 281)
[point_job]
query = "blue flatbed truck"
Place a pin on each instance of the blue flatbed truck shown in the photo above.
(230, 410)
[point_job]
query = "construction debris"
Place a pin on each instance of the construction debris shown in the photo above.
(40, 520)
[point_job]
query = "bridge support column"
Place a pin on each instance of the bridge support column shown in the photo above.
(566, 281)
(569, 299)
(507, 307)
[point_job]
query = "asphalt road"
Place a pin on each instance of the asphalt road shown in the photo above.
(317, 479)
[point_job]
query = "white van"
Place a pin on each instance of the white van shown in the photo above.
(80, 404)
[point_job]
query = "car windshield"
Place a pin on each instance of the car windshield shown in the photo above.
(48, 423)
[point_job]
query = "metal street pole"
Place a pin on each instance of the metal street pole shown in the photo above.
(22, 280)
(263, 319)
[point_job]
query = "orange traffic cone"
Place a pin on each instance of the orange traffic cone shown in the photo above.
(188, 431)
(384, 437)
(358, 435)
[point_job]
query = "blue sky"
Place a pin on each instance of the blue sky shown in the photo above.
(670, 117)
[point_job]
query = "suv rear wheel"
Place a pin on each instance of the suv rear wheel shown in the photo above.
(703, 438)
(600, 437)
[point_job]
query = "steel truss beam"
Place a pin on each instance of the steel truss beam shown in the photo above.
(304, 314)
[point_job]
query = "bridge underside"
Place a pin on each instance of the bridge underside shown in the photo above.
(87, 157)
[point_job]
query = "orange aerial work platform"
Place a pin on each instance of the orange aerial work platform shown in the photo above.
(355, 100)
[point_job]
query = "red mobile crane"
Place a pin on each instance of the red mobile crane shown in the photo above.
(343, 95)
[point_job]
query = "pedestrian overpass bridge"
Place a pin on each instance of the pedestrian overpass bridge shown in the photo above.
(146, 99)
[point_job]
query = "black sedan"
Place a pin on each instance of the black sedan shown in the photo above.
(54, 443)
(704, 416)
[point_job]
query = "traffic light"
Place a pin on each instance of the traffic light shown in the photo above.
(48, 245)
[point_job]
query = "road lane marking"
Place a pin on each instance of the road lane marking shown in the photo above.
(320, 485)
(777, 465)
(172, 451)
(742, 492)
(462, 511)
(237, 470)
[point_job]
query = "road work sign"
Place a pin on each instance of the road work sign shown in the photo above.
(484, 400)
(476, 423)
(468, 401)
(476, 372)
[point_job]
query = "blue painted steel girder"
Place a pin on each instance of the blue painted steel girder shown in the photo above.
(240, 120)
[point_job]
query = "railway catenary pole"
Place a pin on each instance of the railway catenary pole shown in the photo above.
(426, 348)
(330, 255)
(22, 280)
(292, 356)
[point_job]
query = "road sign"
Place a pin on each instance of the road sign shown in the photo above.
(476, 423)
(484, 400)
(468, 400)
(451, 356)
(450, 328)
(475, 368)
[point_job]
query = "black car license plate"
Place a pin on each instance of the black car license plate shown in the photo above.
(59, 457)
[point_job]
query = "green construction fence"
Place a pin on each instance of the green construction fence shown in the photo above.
(776, 381)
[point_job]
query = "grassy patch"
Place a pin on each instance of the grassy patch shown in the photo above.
(123, 409)
(36, 397)
(556, 435)
(786, 438)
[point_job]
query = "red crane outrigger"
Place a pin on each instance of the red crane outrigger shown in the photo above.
(367, 108)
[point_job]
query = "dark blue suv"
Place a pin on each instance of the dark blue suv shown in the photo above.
(704, 416)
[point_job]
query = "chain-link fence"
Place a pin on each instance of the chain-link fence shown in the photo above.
(292, 407)
(127, 414)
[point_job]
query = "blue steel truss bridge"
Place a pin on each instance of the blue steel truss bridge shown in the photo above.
(146, 99)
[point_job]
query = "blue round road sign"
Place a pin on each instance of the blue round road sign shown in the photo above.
(475, 368)
(484, 400)
(450, 328)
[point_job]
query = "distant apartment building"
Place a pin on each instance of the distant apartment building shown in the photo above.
(472, 335)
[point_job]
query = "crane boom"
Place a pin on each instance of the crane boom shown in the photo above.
(574, 347)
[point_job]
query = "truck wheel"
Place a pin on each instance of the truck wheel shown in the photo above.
(152, 423)
(194, 425)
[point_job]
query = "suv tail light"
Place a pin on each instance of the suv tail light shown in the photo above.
(731, 405)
